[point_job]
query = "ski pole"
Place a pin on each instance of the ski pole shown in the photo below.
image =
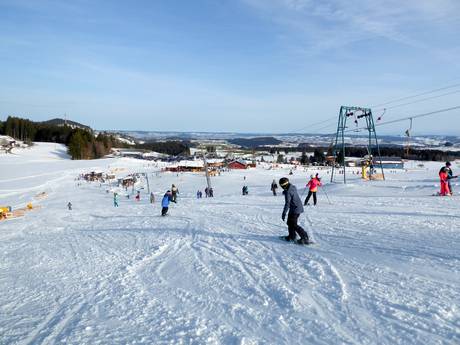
(327, 196)
(303, 193)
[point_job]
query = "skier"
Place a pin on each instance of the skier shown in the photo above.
(274, 187)
(174, 192)
(69, 206)
(293, 204)
(313, 185)
(450, 176)
(211, 192)
(245, 190)
(165, 202)
(152, 198)
(206, 191)
(138, 196)
(443, 177)
(115, 199)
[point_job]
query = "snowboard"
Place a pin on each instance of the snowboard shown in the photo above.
(295, 242)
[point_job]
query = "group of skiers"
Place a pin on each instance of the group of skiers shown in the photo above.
(445, 175)
(209, 192)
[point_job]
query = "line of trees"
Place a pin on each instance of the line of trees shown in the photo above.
(361, 151)
(81, 142)
(173, 148)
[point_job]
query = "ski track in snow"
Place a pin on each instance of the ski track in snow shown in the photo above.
(384, 269)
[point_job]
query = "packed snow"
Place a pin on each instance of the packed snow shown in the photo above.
(384, 269)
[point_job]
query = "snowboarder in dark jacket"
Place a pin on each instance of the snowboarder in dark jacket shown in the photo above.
(293, 204)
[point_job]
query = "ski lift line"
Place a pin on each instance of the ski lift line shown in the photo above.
(409, 118)
(416, 95)
(318, 123)
(420, 100)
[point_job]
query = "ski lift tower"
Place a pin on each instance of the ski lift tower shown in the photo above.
(373, 148)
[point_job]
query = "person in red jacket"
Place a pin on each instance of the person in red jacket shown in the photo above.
(444, 179)
(313, 185)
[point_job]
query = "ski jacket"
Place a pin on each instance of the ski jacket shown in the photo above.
(314, 183)
(166, 200)
(443, 176)
(292, 202)
(274, 186)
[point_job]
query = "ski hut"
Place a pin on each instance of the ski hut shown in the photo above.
(93, 175)
(128, 181)
(390, 163)
(238, 165)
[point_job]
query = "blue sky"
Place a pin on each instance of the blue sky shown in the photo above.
(240, 65)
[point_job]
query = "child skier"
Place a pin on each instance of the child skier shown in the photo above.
(293, 204)
(152, 198)
(115, 199)
(138, 196)
(165, 202)
(313, 185)
(69, 206)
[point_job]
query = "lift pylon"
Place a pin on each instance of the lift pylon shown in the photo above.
(373, 148)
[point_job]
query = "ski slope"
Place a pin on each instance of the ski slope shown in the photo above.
(385, 269)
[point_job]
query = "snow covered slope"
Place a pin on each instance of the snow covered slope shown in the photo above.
(385, 269)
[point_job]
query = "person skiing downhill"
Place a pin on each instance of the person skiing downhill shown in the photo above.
(115, 199)
(313, 185)
(174, 192)
(274, 187)
(165, 202)
(293, 204)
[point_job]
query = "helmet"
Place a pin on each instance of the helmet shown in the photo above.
(448, 164)
(284, 181)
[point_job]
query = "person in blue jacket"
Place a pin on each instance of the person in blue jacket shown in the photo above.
(165, 202)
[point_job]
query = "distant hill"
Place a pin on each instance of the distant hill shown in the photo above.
(255, 142)
(70, 123)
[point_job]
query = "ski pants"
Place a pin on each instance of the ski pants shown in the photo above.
(310, 193)
(445, 188)
(294, 228)
(164, 210)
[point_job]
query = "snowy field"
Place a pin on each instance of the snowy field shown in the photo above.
(385, 269)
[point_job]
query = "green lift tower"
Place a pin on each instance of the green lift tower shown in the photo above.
(373, 149)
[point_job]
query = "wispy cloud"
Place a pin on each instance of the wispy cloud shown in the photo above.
(320, 26)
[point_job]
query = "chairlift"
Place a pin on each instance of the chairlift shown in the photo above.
(408, 131)
(408, 134)
(381, 116)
